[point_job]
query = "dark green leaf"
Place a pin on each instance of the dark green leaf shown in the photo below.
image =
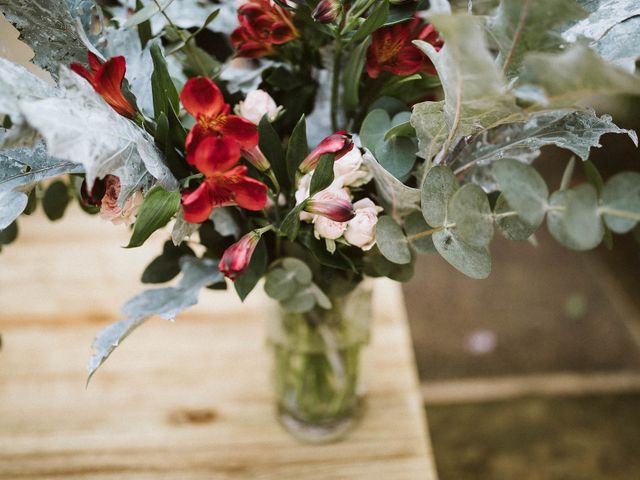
(271, 146)
(377, 18)
(323, 174)
(9, 234)
(144, 29)
(391, 241)
(298, 148)
(352, 76)
(256, 269)
(55, 200)
(158, 207)
(165, 95)
(167, 265)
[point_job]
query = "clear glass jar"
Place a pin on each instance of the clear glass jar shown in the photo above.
(316, 366)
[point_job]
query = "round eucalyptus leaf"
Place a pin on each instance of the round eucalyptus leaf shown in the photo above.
(391, 241)
(469, 209)
(572, 219)
(55, 200)
(374, 127)
(414, 224)
(439, 186)
(475, 262)
(280, 284)
(321, 298)
(622, 192)
(300, 270)
(302, 301)
(9, 234)
(397, 155)
(524, 189)
(512, 227)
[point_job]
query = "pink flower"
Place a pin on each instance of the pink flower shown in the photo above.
(332, 203)
(361, 229)
(109, 209)
(236, 258)
(256, 105)
(350, 171)
(326, 228)
(339, 143)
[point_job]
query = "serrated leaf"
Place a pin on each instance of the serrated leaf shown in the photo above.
(604, 15)
(414, 225)
(158, 207)
(475, 262)
(622, 193)
(524, 189)
(522, 26)
(323, 174)
(182, 229)
(55, 200)
(470, 211)
(246, 282)
(166, 302)
(512, 226)
(391, 241)
(439, 186)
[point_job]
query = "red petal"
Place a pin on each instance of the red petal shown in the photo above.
(94, 61)
(200, 96)
(196, 205)
(214, 155)
(241, 130)
(249, 193)
(108, 83)
(83, 72)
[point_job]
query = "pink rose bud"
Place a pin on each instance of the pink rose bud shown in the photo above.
(109, 209)
(256, 158)
(327, 11)
(256, 105)
(361, 229)
(236, 258)
(339, 143)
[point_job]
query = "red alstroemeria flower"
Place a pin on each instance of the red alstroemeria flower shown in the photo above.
(339, 143)
(203, 99)
(236, 258)
(224, 183)
(336, 209)
(106, 79)
(263, 24)
(391, 49)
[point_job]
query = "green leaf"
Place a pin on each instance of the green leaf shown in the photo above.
(144, 28)
(298, 148)
(165, 95)
(302, 301)
(290, 226)
(524, 189)
(375, 125)
(568, 174)
(403, 129)
(158, 207)
(475, 262)
(512, 226)
(166, 266)
(55, 200)
(593, 176)
(352, 76)
(439, 186)
(555, 80)
(377, 18)
(9, 234)
(622, 193)
(414, 225)
(246, 282)
(522, 26)
(301, 272)
(144, 14)
(391, 241)
(470, 211)
(573, 218)
(431, 128)
(271, 146)
(323, 174)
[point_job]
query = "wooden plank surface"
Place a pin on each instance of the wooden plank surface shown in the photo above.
(184, 400)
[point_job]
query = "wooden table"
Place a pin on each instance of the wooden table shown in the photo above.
(184, 400)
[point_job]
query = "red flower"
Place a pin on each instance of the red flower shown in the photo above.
(236, 258)
(339, 143)
(224, 184)
(326, 11)
(391, 49)
(106, 79)
(202, 99)
(336, 209)
(263, 24)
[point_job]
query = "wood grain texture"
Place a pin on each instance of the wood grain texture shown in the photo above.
(184, 400)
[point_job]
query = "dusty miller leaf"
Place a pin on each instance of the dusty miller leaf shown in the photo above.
(621, 44)
(166, 302)
(603, 16)
(12, 204)
(521, 26)
(49, 28)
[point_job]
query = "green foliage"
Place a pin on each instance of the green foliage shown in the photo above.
(298, 148)
(144, 28)
(158, 207)
(8, 235)
(621, 193)
(469, 210)
(165, 95)
(374, 21)
(166, 266)
(475, 262)
(391, 241)
(55, 200)
(271, 146)
(438, 188)
(323, 174)
(417, 229)
(290, 281)
(352, 75)
(246, 282)
(511, 226)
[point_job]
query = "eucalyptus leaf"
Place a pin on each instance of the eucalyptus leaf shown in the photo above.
(415, 226)
(391, 241)
(55, 200)
(301, 272)
(622, 193)
(475, 262)
(280, 284)
(302, 301)
(470, 211)
(511, 226)
(166, 302)
(431, 128)
(524, 189)
(439, 186)
(573, 218)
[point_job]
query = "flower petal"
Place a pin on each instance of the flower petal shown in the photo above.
(196, 205)
(201, 97)
(241, 130)
(248, 192)
(94, 61)
(107, 81)
(214, 154)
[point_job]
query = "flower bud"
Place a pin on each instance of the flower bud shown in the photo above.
(327, 11)
(256, 105)
(336, 209)
(236, 258)
(93, 198)
(339, 143)
(256, 158)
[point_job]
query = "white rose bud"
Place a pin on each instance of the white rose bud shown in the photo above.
(302, 193)
(350, 169)
(327, 228)
(256, 105)
(361, 229)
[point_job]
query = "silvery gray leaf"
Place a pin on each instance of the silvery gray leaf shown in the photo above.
(166, 302)
(182, 229)
(576, 131)
(12, 204)
(224, 222)
(245, 79)
(49, 28)
(621, 44)
(604, 15)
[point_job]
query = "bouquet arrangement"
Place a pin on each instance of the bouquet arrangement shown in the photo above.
(314, 143)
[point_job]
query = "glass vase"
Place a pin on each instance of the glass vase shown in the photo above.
(316, 366)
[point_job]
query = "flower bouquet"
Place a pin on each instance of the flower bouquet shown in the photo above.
(312, 145)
